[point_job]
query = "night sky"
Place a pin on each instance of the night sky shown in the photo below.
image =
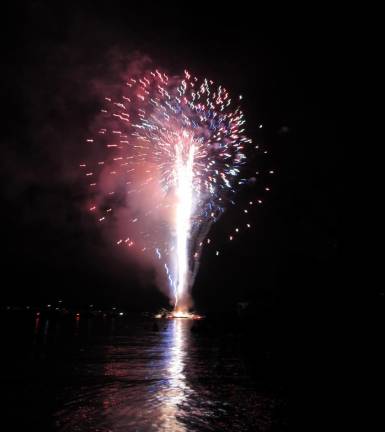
(283, 66)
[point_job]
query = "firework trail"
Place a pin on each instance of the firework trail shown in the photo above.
(170, 150)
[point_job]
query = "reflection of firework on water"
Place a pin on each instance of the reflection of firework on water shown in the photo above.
(170, 150)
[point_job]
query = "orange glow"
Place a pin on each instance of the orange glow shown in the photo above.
(179, 314)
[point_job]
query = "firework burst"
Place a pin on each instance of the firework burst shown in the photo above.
(178, 144)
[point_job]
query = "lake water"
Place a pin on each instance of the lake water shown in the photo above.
(121, 375)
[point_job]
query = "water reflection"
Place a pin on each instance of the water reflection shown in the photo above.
(140, 379)
(174, 394)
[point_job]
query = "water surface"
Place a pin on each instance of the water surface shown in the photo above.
(123, 375)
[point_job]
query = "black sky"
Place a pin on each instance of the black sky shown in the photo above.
(282, 63)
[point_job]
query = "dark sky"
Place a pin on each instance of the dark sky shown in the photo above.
(284, 65)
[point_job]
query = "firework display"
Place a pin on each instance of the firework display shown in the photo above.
(171, 151)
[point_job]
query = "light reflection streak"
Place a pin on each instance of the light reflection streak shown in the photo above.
(176, 392)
